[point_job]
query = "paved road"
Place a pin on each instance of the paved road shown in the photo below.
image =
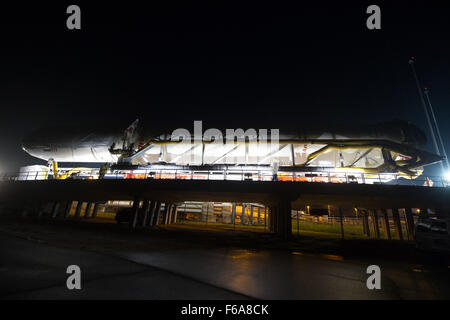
(30, 270)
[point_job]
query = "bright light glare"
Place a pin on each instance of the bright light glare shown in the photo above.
(447, 175)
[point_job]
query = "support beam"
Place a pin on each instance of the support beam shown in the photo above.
(266, 216)
(145, 213)
(273, 153)
(41, 207)
(154, 205)
(341, 218)
(284, 219)
(233, 213)
(55, 209)
(166, 213)
(409, 223)
(292, 155)
(259, 215)
(375, 223)
(366, 226)
(386, 225)
(225, 154)
(171, 213)
(158, 213)
(280, 220)
(397, 223)
(87, 212)
(272, 218)
(67, 209)
(78, 209)
(95, 210)
(175, 214)
(134, 213)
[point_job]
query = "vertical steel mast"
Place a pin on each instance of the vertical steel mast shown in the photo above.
(426, 91)
(411, 63)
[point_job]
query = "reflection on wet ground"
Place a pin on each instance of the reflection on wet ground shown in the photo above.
(271, 274)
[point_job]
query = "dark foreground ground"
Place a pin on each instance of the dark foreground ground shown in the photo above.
(183, 262)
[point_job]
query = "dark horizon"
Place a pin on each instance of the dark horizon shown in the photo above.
(226, 65)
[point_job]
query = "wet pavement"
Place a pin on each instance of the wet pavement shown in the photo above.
(33, 270)
(30, 269)
(272, 274)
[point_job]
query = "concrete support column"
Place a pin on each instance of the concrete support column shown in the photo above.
(202, 212)
(270, 221)
(40, 210)
(95, 210)
(266, 216)
(172, 213)
(409, 223)
(166, 213)
(397, 223)
(341, 218)
(145, 213)
(366, 226)
(386, 226)
(280, 221)
(151, 220)
(169, 214)
(158, 213)
(87, 212)
(375, 223)
(284, 223)
(67, 209)
(175, 214)
(276, 218)
(78, 209)
(135, 213)
(244, 207)
(233, 212)
(259, 215)
(55, 209)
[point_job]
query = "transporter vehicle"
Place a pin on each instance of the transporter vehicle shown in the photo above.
(395, 147)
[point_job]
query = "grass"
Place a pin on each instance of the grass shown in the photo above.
(307, 228)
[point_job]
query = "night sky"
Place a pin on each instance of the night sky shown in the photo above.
(262, 65)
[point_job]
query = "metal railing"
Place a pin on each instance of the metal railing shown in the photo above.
(241, 175)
